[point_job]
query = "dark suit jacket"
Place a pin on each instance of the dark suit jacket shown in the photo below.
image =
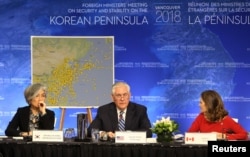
(20, 121)
(136, 119)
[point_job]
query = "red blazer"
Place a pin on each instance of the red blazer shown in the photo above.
(232, 129)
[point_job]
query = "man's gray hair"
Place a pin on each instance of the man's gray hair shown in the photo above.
(117, 84)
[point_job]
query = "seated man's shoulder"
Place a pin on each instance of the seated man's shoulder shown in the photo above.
(109, 105)
(138, 106)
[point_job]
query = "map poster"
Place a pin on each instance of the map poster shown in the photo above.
(78, 71)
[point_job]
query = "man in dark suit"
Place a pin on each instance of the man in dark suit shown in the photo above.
(135, 115)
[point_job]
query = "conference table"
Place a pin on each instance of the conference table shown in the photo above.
(20, 148)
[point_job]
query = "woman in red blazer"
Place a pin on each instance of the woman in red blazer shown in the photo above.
(214, 118)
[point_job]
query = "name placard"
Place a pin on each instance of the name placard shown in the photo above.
(130, 137)
(47, 136)
(199, 138)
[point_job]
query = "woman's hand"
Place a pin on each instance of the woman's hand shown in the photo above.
(221, 136)
(42, 108)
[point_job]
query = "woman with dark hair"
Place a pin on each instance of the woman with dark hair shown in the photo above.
(35, 116)
(215, 118)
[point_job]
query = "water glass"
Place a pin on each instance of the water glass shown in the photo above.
(69, 134)
(95, 135)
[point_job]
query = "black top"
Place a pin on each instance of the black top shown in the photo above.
(20, 121)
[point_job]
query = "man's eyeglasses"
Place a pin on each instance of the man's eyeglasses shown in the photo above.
(119, 96)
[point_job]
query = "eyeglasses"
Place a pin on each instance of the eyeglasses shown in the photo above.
(119, 96)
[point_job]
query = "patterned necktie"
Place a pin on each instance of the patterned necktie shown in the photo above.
(121, 122)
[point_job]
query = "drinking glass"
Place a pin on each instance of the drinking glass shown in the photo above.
(95, 135)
